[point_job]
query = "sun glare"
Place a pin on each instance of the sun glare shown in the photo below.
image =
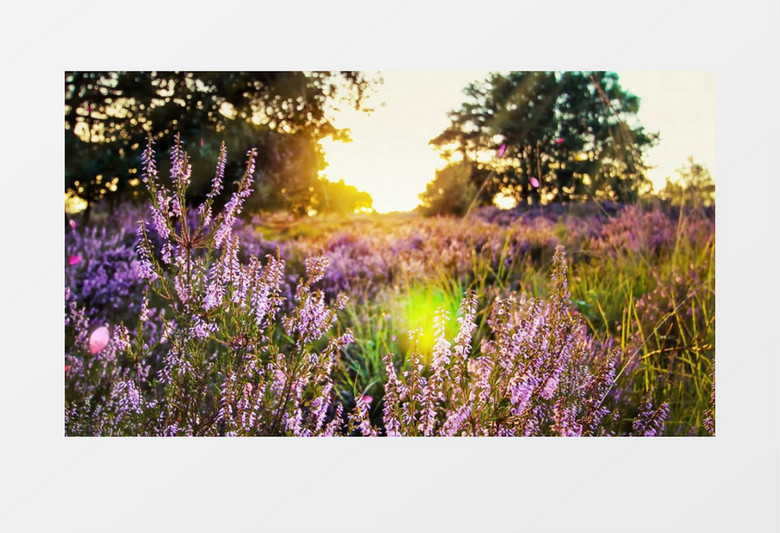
(390, 157)
(383, 168)
(504, 201)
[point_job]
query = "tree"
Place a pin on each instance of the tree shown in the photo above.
(451, 192)
(108, 116)
(550, 136)
(694, 186)
(338, 197)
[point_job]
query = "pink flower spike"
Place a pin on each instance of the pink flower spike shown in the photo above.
(367, 399)
(534, 182)
(72, 224)
(74, 259)
(98, 340)
(559, 141)
(501, 150)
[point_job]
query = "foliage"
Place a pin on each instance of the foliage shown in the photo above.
(568, 132)
(693, 188)
(223, 365)
(538, 374)
(108, 116)
(101, 272)
(451, 193)
(338, 197)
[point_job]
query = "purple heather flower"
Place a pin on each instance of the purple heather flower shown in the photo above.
(128, 398)
(320, 405)
(293, 423)
(214, 293)
(467, 326)
(176, 210)
(182, 288)
(335, 425)
(359, 416)
(520, 394)
(121, 338)
(441, 349)
(315, 268)
(200, 328)
(233, 207)
(150, 166)
(144, 266)
(565, 423)
(455, 420)
(264, 286)
(219, 175)
(650, 422)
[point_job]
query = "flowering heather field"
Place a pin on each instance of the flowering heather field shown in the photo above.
(592, 319)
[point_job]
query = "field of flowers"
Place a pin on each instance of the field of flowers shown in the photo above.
(589, 319)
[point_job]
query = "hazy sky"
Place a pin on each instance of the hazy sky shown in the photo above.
(681, 107)
(390, 157)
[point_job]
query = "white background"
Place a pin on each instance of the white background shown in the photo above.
(727, 483)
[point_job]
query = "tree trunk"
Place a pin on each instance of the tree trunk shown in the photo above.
(85, 216)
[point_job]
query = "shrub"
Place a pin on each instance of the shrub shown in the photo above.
(538, 373)
(450, 193)
(225, 363)
(100, 270)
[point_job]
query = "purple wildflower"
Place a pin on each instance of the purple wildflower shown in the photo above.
(650, 422)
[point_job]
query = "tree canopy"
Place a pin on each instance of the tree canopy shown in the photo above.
(694, 186)
(550, 137)
(108, 116)
(451, 192)
(338, 197)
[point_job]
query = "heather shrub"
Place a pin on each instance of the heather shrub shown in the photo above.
(431, 255)
(656, 297)
(635, 231)
(538, 372)
(225, 362)
(100, 270)
(96, 374)
(357, 266)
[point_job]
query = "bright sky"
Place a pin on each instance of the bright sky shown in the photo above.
(681, 107)
(390, 157)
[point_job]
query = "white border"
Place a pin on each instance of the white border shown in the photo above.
(726, 483)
